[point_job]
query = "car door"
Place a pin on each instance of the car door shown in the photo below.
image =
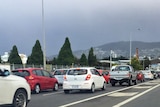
(97, 78)
(49, 81)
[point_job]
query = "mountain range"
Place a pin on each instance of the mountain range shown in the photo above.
(123, 48)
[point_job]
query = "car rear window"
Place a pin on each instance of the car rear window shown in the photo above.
(22, 73)
(60, 72)
(77, 72)
(122, 68)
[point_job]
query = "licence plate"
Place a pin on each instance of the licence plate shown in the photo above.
(75, 86)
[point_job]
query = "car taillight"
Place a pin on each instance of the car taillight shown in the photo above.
(31, 77)
(88, 77)
(65, 78)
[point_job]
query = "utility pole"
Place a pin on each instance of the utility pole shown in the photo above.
(44, 39)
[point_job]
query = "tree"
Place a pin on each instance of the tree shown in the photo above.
(83, 60)
(65, 56)
(136, 64)
(14, 57)
(92, 60)
(36, 56)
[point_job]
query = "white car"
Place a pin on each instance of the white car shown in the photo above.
(83, 78)
(58, 74)
(148, 74)
(14, 90)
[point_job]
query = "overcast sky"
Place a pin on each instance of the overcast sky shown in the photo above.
(87, 23)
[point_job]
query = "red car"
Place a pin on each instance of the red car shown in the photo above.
(38, 79)
(140, 76)
(105, 75)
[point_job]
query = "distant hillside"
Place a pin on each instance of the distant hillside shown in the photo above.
(122, 48)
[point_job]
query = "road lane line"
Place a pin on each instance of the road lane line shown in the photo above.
(101, 95)
(98, 96)
(53, 93)
(136, 96)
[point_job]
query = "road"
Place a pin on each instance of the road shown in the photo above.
(141, 95)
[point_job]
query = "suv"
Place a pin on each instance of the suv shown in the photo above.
(38, 79)
(83, 78)
(15, 90)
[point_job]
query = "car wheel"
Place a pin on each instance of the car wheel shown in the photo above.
(129, 82)
(112, 83)
(37, 89)
(135, 82)
(92, 88)
(55, 87)
(104, 86)
(20, 99)
(66, 91)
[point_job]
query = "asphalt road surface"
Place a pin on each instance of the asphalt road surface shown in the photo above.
(146, 94)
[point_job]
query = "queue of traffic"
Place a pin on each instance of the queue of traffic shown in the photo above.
(25, 81)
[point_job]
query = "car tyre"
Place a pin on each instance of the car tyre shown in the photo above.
(92, 88)
(20, 99)
(104, 86)
(66, 91)
(55, 87)
(129, 82)
(37, 89)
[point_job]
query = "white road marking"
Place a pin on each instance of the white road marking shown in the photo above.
(136, 96)
(142, 87)
(101, 95)
(121, 94)
(52, 93)
(98, 96)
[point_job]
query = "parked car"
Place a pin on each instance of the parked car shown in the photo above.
(148, 74)
(38, 79)
(83, 78)
(105, 75)
(59, 74)
(15, 90)
(140, 76)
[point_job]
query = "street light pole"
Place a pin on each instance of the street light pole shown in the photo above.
(130, 50)
(44, 43)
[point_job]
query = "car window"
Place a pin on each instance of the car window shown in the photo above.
(77, 72)
(122, 68)
(57, 72)
(46, 74)
(38, 72)
(95, 72)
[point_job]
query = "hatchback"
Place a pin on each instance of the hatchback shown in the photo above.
(83, 78)
(14, 90)
(38, 79)
(148, 74)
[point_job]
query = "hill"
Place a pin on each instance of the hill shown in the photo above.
(122, 48)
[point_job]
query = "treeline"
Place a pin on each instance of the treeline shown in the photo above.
(66, 57)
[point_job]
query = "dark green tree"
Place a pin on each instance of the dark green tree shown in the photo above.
(36, 56)
(92, 60)
(65, 56)
(83, 60)
(136, 64)
(14, 57)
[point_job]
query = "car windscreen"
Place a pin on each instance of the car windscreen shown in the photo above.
(77, 72)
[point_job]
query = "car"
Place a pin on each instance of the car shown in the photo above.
(38, 79)
(148, 74)
(105, 75)
(83, 78)
(15, 90)
(58, 74)
(140, 76)
(155, 75)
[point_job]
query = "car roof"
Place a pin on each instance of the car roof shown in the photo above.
(83, 68)
(27, 69)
